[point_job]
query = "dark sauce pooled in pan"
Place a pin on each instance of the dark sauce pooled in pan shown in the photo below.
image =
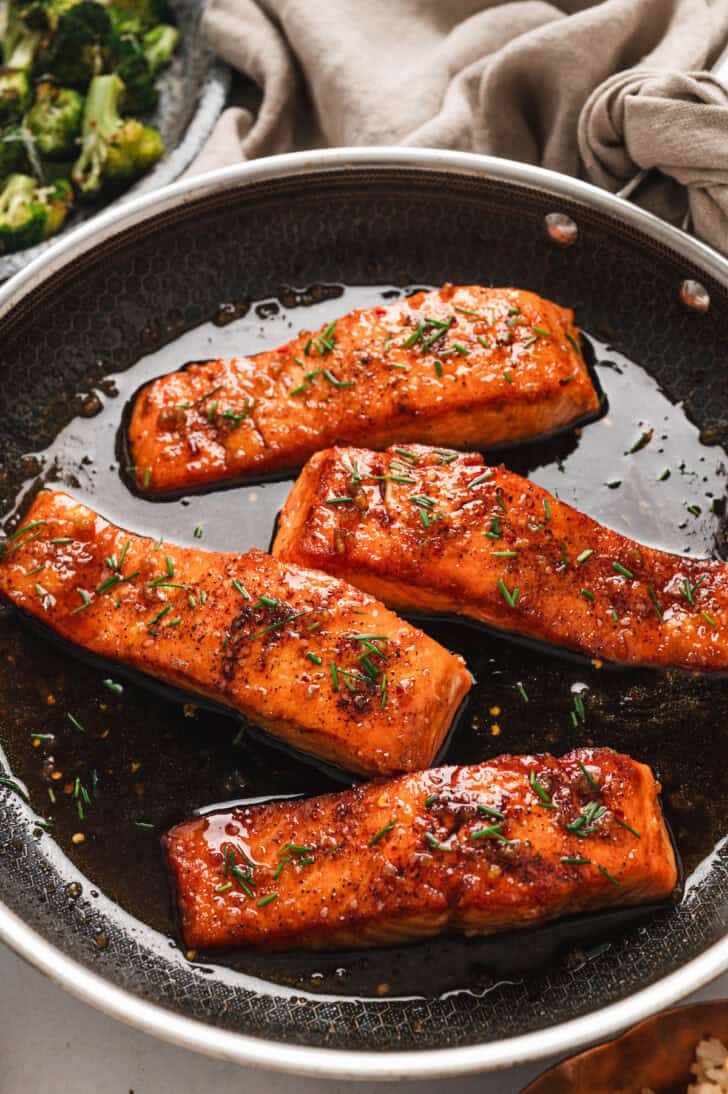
(156, 761)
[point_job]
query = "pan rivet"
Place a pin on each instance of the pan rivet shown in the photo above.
(694, 295)
(562, 229)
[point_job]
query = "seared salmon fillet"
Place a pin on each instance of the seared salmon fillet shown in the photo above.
(500, 845)
(312, 660)
(428, 530)
(464, 366)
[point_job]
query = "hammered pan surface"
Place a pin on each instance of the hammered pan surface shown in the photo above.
(142, 289)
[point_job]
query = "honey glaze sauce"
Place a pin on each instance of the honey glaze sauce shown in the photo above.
(113, 764)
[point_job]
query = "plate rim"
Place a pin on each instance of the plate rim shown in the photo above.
(321, 1062)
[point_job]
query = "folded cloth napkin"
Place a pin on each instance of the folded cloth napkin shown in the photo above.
(527, 79)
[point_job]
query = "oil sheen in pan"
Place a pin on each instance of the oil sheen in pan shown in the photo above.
(156, 761)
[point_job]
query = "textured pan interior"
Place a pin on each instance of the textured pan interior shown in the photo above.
(142, 289)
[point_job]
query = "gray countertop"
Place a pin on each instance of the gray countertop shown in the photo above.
(49, 1042)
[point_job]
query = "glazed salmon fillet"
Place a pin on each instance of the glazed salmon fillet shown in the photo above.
(464, 366)
(431, 531)
(508, 843)
(312, 660)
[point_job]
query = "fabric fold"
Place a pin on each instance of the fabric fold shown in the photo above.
(592, 89)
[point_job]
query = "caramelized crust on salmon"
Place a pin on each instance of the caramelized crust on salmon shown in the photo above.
(310, 659)
(465, 366)
(432, 531)
(505, 844)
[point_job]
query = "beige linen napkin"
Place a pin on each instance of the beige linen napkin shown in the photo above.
(586, 88)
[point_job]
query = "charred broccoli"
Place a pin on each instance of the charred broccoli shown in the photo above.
(15, 95)
(132, 67)
(13, 154)
(30, 213)
(54, 121)
(159, 44)
(148, 12)
(80, 45)
(114, 150)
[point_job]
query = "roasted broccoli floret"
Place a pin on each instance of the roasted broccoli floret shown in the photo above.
(132, 67)
(15, 95)
(159, 44)
(21, 41)
(13, 154)
(80, 46)
(54, 121)
(114, 150)
(30, 213)
(148, 12)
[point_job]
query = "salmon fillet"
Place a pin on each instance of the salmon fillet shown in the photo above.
(312, 660)
(465, 366)
(501, 845)
(431, 531)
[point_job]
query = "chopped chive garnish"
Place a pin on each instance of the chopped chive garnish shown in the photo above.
(461, 349)
(572, 342)
(484, 343)
(467, 311)
(445, 456)
(542, 331)
(10, 784)
(665, 474)
(623, 824)
(522, 691)
(709, 619)
(61, 539)
(614, 615)
(547, 509)
(112, 685)
(435, 843)
(588, 776)
(481, 479)
(489, 811)
(587, 821)
(546, 800)
(143, 824)
(609, 877)
(575, 861)
(75, 722)
(694, 510)
(343, 500)
(642, 441)
(198, 532)
(588, 594)
(438, 368)
(225, 887)
(492, 831)
(653, 597)
(170, 565)
(688, 588)
(266, 900)
(334, 380)
(507, 376)
(147, 476)
(620, 569)
(510, 598)
(314, 657)
(160, 615)
(504, 554)
(334, 676)
(240, 588)
(381, 833)
(85, 601)
(279, 624)
(383, 691)
(580, 708)
(584, 556)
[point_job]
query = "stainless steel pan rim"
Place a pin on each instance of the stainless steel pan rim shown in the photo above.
(322, 1062)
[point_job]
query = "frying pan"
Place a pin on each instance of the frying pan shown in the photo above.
(139, 285)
